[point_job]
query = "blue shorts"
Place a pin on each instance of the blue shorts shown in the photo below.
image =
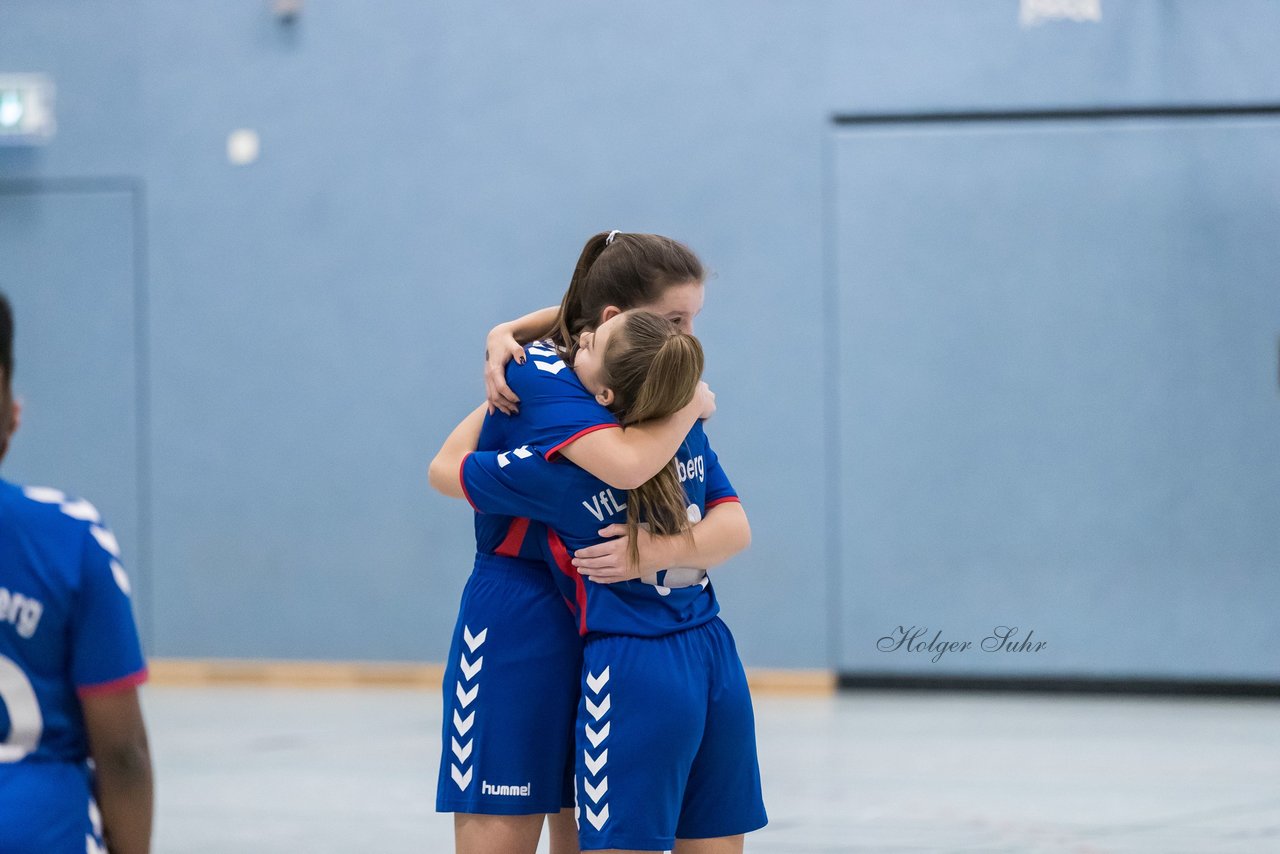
(510, 694)
(48, 808)
(666, 741)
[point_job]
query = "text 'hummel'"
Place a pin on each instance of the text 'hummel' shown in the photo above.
(515, 791)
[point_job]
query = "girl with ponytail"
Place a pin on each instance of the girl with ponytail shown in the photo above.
(642, 368)
(680, 760)
(512, 614)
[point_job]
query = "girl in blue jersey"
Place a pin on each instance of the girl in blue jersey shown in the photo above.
(665, 734)
(512, 680)
(70, 664)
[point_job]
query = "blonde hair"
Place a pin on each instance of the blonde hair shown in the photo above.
(653, 370)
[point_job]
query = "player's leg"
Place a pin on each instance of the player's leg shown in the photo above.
(723, 798)
(496, 834)
(722, 845)
(563, 832)
(562, 827)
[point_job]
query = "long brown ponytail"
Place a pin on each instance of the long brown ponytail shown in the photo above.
(653, 369)
(627, 271)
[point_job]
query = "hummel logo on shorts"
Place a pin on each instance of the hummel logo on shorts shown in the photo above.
(513, 791)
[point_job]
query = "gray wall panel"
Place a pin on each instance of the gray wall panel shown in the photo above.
(68, 267)
(1059, 396)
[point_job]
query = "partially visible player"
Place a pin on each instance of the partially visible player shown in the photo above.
(70, 664)
(665, 731)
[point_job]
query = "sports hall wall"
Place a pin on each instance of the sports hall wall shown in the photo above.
(1014, 364)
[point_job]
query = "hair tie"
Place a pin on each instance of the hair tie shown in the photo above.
(612, 235)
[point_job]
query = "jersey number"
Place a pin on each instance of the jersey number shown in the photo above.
(25, 721)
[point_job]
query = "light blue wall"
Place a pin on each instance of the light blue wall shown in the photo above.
(313, 321)
(1059, 392)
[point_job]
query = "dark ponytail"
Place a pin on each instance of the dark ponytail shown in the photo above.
(629, 271)
(572, 318)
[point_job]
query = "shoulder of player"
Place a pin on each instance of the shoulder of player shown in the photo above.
(543, 369)
(695, 440)
(60, 514)
(66, 533)
(48, 503)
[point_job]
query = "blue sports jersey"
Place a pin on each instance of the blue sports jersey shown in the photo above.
(66, 631)
(575, 505)
(555, 410)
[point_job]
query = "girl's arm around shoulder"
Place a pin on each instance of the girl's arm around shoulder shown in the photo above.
(443, 473)
(627, 458)
(504, 343)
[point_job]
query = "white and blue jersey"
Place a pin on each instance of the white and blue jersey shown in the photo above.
(575, 505)
(66, 631)
(511, 679)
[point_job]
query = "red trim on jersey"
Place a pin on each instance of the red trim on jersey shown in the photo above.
(565, 563)
(510, 545)
(462, 480)
(133, 680)
(551, 454)
(726, 500)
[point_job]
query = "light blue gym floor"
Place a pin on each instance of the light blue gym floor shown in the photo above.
(271, 771)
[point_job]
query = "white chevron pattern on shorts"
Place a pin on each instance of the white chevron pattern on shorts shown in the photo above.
(463, 780)
(91, 845)
(466, 697)
(596, 737)
(461, 724)
(474, 641)
(462, 774)
(598, 819)
(596, 792)
(595, 683)
(594, 765)
(599, 711)
(597, 708)
(469, 669)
